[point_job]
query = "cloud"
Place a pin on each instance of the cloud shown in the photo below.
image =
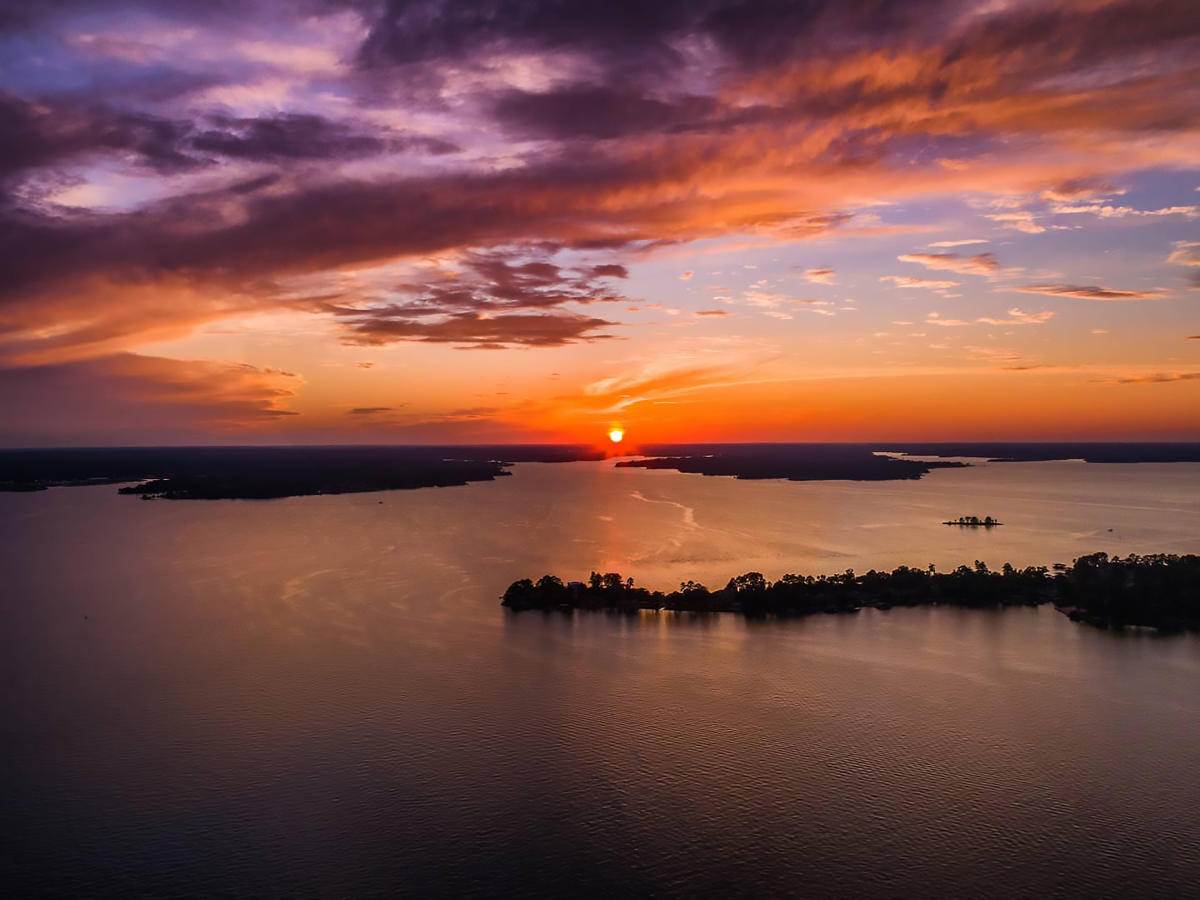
(1021, 220)
(58, 131)
(936, 319)
(368, 410)
(602, 111)
(820, 276)
(1159, 378)
(904, 281)
(659, 382)
(1017, 316)
(1186, 253)
(686, 276)
(1081, 187)
(1090, 292)
(980, 264)
(1107, 211)
(45, 133)
(133, 398)
(295, 136)
(712, 312)
(491, 299)
(962, 243)
(380, 326)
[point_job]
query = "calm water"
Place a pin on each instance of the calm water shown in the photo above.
(322, 695)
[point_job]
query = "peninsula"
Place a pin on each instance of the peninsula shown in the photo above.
(264, 473)
(793, 462)
(1159, 591)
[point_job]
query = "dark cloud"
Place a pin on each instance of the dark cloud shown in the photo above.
(28, 14)
(632, 36)
(978, 264)
(1080, 188)
(368, 410)
(40, 134)
(497, 299)
(1160, 378)
(600, 111)
(625, 32)
(45, 134)
(474, 330)
(610, 270)
(295, 137)
(1090, 292)
(822, 50)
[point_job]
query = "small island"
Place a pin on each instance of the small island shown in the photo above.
(1155, 591)
(974, 522)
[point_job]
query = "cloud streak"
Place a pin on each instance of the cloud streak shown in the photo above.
(1091, 292)
(979, 264)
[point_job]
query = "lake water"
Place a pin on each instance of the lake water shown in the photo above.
(322, 696)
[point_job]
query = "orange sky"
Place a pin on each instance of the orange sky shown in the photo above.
(845, 221)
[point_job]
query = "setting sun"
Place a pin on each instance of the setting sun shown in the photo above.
(616, 435)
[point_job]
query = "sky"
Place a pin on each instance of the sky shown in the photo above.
(337, 221)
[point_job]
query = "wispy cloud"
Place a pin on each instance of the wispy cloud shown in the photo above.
(905, 281)
(1186, 253)
(1159, 378)
(1018, 316)
(936, 319)
(979, 264)
(1019, 220)
(1106, 211)
(1091, 292)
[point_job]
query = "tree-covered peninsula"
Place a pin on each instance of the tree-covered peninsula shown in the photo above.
(1159, 591)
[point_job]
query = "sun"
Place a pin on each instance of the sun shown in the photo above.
(616, 435)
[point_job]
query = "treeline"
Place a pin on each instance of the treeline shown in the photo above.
(1161, 591)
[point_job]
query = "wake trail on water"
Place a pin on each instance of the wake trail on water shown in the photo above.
(689, 513)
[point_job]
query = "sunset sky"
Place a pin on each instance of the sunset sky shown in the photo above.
(329, 221)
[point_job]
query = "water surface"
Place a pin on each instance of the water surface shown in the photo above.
(322, 695)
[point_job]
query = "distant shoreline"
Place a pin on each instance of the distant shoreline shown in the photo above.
(243, 473)
(1155, 591)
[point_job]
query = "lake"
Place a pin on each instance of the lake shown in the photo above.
(322, 695)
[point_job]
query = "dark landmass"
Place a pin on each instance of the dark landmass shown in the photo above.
(1044, 452)
(179, 473)
(227, 473)
(795, 462)
(1158, 591)
(974, 522)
